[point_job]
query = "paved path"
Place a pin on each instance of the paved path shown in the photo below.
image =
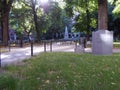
(18, 54)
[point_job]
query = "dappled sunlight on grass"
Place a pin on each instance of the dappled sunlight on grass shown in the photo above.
(68, 71)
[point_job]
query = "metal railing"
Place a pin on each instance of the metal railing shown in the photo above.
(50, 42)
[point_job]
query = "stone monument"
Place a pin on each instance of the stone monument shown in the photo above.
(79, 49)
(66, 36)
(102, 42)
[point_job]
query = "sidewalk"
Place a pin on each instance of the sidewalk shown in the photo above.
(18, 54)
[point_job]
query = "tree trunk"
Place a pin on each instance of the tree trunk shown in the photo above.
(5, 20)
(102, 15)
(88, 25)
(1, 26)
(88, 20)
(5, 30)
(36, 27)
(35, 20)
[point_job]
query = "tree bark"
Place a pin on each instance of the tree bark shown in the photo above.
(5, 20)
(5, 30)
(36, 27)
(102, 15)
(1, 27)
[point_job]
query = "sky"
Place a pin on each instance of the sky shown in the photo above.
(61, 3)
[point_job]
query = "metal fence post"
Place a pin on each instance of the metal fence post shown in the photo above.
(44, 46)
(31, 48)
(75, 43)
(51, 46)
(9, 45)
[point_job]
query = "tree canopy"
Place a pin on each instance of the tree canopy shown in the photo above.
(41, 18)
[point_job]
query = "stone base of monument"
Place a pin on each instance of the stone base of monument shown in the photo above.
(102, 42)
(79, 49)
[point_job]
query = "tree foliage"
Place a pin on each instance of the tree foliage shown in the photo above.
(32, 14)
(87, 12)
(116, 10)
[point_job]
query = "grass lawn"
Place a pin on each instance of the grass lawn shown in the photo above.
(63, 71)
(116, 45)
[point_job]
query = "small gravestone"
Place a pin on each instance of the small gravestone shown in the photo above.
(79, 49)
(102, 42)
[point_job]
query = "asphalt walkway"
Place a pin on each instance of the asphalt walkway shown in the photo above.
(18, 54)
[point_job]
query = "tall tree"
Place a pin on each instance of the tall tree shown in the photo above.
(34, 9)
(54, 15)
(35, 6)
(21, 18)
(4, 11)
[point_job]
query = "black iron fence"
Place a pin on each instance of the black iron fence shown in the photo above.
(62, 41)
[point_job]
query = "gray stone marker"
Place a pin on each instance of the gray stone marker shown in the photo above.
(79, 49)
(102, 42)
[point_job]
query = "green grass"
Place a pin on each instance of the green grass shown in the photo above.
(67, 71)
(116, 45)
(7, 82)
